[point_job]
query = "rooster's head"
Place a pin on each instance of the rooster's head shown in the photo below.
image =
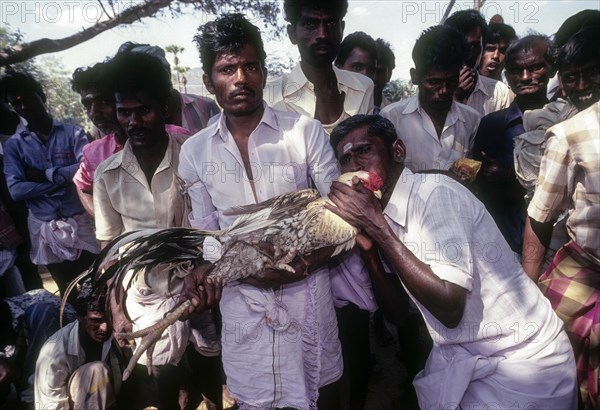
(370, 180)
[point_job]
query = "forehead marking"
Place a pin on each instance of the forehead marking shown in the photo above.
(347, 147)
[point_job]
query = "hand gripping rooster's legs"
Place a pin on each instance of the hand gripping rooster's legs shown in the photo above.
(295, 224)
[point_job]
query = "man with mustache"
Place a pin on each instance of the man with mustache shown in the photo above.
(138, 188)
(529, 66)
(98, 101)
(73, 369)
(435, 128)
(280, 344)
(315, 87)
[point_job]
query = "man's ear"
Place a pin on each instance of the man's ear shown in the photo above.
(210, 87)
(265, 75)
(414, 76)
(398, 151)
(291, 30)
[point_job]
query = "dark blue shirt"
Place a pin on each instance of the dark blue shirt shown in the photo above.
(500, 191)
(59, 157)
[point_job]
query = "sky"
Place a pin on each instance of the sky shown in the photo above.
(398, 22)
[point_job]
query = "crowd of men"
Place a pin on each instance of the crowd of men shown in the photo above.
(483, 251)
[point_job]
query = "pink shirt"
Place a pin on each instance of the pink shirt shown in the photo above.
(97, 151)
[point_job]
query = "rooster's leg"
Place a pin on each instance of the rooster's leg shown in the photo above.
(151, 335)
(282, 262)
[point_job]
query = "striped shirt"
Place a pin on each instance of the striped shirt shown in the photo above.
(570, 179)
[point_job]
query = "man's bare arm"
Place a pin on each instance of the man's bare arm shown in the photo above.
(536, 239)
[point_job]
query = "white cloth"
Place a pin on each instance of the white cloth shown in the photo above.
(293, 92)
(489, 96)
(424, 149)
(509, 347)
(60, 356)
(279, 346)
(62, 239)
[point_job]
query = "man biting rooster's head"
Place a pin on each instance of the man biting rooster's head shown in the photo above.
(369, 143)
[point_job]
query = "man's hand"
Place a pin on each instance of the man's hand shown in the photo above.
(202, 291)
(356, 205)
(35, 175)
(466, 84)
(302, 265)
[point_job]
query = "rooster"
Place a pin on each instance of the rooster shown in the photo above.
(294, 224)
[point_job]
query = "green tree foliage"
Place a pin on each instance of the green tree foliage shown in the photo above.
(62, 102)
(397, 90)
(121, 12)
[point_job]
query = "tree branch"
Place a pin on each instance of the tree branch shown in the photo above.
(448, 10)
(44, 46)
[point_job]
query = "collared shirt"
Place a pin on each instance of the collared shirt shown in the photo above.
(506, 319)
(424, 149)
(196, 111)
(293, 92)
(489, 96)
(268, 367)
(93, 154)
(570, 179)
(123, 199)
(98, 150)
(60, 356)
(59, 156)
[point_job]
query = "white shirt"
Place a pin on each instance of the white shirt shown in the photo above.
(268, 367)
(508, 328)
(424, 149)
(60, 356)
(123, 199)
(293, 92)
(489, 96)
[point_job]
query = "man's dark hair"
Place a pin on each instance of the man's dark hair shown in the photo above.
(293, 8)
(14, 82)
(91, 78)
(439, 47)
(466, 21)
(385, 55)
(89, 299)
(131, 73)
(227, 34)
(497, 32)
(377, 126)
(578, 21)
(358, 39)
(582, 48)
(528, 43)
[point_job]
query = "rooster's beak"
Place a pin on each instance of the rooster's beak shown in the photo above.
(377, 194)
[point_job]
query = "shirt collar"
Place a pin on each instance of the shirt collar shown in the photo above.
(397, 206)
(297, 78)
(413, 105)
(479, 86)
(513, 113)
(269, 119)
